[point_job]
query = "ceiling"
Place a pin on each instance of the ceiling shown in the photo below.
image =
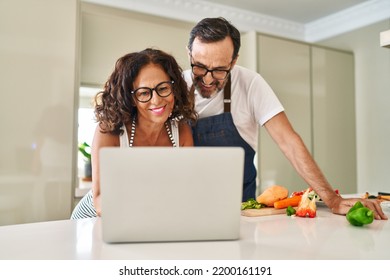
(301, 11)
(306, 20)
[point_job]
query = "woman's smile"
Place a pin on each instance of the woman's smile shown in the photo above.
(158, 110)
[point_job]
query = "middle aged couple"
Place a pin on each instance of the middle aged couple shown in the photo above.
(149, 101)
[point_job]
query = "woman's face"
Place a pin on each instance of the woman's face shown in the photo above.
(157, 109)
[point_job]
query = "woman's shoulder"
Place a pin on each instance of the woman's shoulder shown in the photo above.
(102, 138)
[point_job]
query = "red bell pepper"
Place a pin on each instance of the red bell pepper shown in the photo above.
(307, 207)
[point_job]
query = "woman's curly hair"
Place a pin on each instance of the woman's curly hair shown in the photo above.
(114, 105)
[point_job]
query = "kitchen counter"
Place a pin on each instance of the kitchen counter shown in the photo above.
(276, 237)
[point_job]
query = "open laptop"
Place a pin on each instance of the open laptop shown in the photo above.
(158, 194)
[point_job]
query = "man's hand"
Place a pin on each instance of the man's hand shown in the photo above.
(342, 205)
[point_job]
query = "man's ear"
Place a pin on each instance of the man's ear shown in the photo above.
(234, 62)
(188, 53)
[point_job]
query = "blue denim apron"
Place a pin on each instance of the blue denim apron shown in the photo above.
(219, 130)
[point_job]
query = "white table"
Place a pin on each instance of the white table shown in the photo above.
(277, 237)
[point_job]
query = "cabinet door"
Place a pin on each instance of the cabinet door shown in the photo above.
(285, 65)
(334, 117)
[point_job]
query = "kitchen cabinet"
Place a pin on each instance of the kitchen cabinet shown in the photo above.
(316, 87)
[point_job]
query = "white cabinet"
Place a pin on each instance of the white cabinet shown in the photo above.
(316, 87)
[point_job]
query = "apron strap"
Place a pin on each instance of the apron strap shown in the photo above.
(226, 95)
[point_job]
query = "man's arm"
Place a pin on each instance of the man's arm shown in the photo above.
(294, 149)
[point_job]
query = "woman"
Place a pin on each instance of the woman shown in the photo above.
(145, 102)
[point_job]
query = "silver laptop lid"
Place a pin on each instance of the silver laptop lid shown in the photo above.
(164, 194)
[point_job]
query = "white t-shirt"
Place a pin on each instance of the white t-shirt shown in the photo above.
(253, 102)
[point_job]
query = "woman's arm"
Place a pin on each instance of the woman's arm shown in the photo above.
(99, 140)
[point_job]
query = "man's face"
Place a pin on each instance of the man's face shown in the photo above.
(211, 56)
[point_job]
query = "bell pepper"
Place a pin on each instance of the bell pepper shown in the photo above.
(307, 207)
(296, 193)
(359, 215)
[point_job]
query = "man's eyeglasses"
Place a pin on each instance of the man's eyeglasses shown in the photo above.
(202, 71)
(217, 74)
(144, 94)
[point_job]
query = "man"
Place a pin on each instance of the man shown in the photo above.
(233, 101)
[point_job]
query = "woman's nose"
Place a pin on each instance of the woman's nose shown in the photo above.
(155, 97)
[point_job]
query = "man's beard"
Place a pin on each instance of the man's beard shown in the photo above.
(216, 86)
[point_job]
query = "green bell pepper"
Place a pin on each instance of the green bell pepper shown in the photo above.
(359, 215)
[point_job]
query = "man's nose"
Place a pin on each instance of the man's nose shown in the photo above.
(208, 78)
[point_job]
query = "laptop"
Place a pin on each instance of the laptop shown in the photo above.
(158, 194)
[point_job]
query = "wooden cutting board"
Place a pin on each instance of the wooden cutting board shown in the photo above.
(266, 211)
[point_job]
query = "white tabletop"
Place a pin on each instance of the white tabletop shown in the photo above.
(277, 237)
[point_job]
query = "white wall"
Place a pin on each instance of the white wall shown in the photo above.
(372, 89)
(108, 34)
(38, 74)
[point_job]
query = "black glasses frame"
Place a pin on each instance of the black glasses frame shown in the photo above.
(153, 89)
(210, 70)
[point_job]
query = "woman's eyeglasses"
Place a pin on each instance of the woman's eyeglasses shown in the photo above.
(144, 94)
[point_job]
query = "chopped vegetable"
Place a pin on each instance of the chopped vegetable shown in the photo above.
(290, 211)
(359, 215)
(272, 194)
(251, 203)
(307, 207)
(297, 193)
(384, 197)
(380, 196)
(290, 201)
(369, 196)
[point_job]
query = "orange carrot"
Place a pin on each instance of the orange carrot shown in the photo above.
(290, 201)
